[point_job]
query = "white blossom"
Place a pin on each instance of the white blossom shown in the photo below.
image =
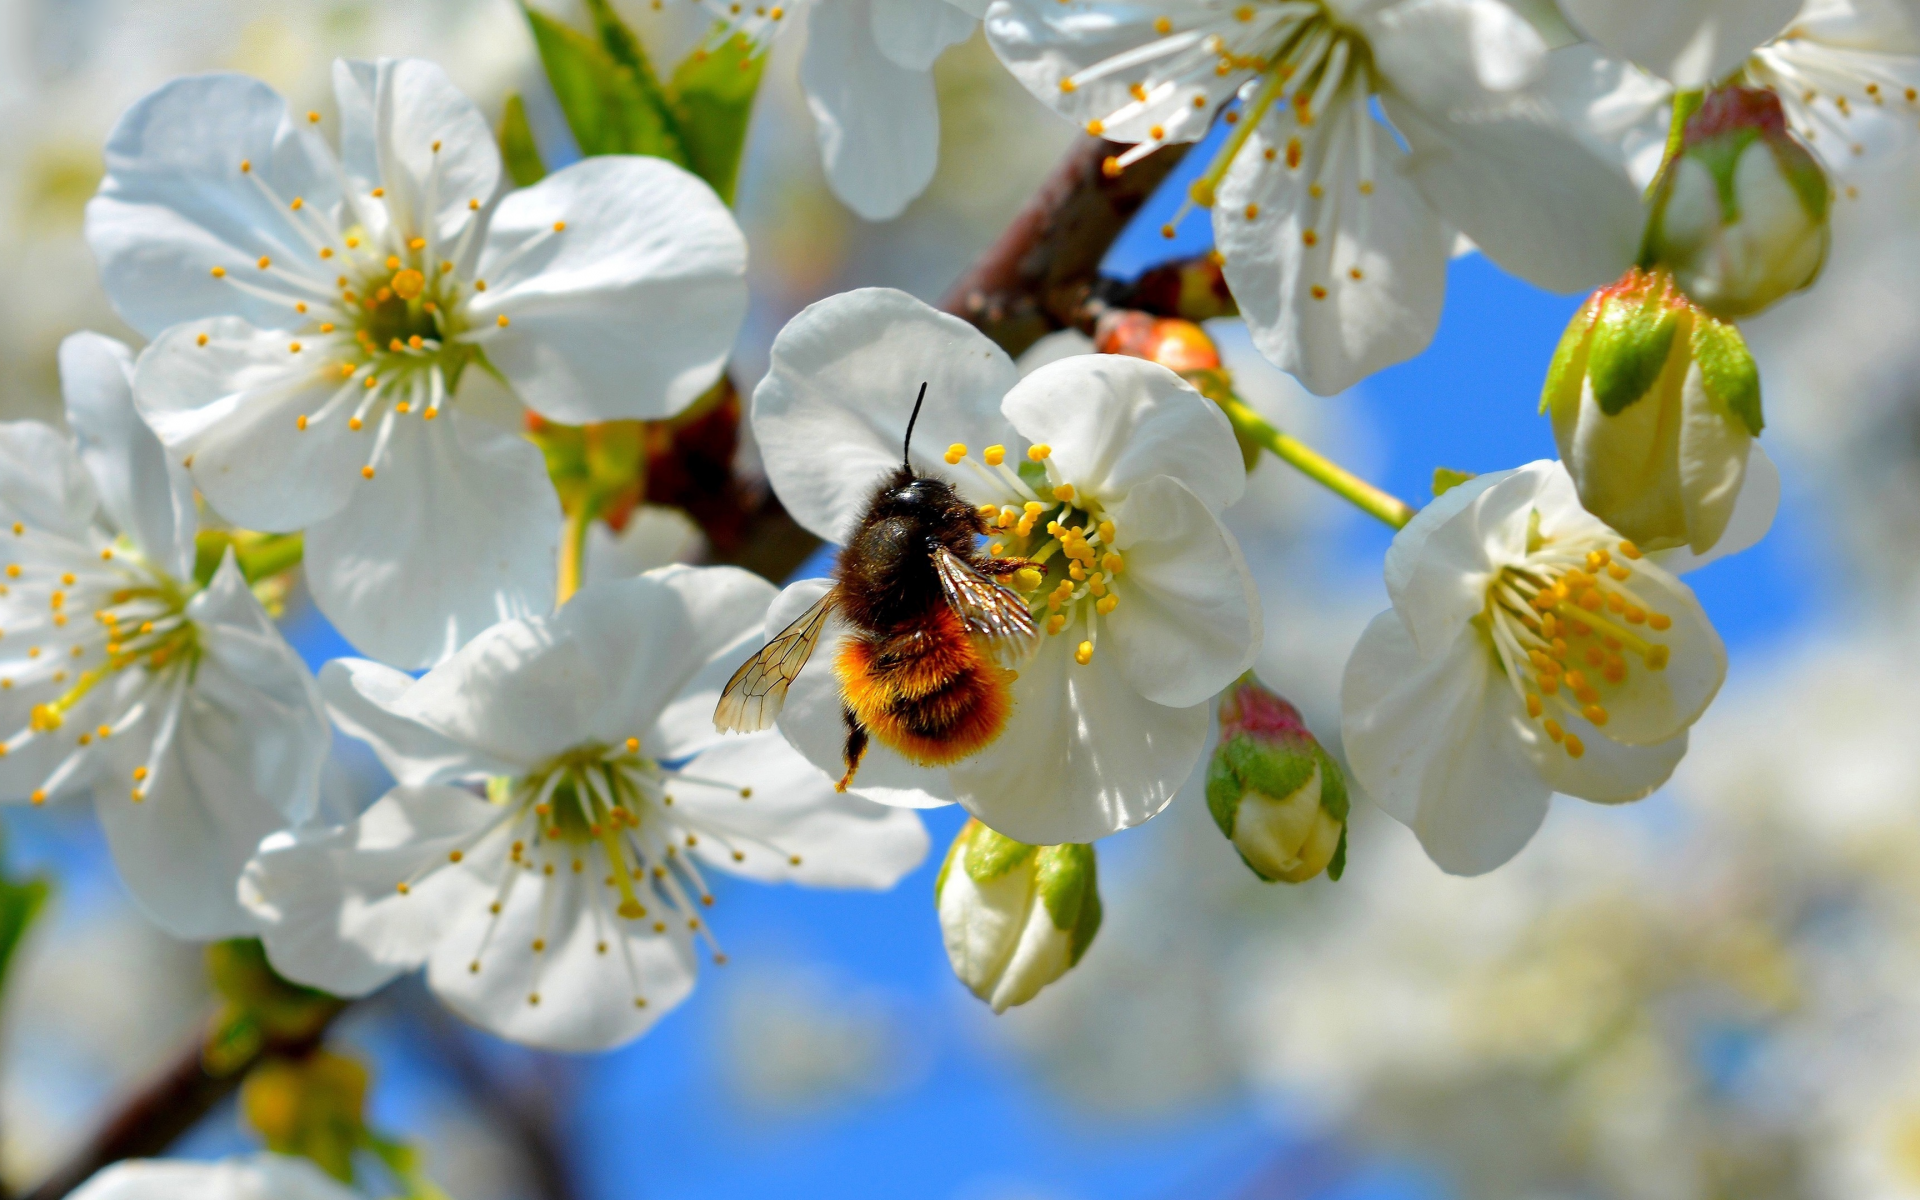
(332, 334)
(260, 1177)
(563, 906)
(182, 710)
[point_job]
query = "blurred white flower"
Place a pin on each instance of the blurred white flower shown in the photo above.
(1107, 473)
(1502, 673)
(1336, 238)
(1846, 71)
(868, 77)
(195, 726)
(260, 1177)
(305, 308)
(562, 910)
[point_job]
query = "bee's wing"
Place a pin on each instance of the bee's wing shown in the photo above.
(753, 696)
(997, 616)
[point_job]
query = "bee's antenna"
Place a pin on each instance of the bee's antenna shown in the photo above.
(906, 447)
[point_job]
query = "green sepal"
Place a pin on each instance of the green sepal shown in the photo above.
(990, 854)
(517, 146)
(1271, 767)
(258, 555)
(259, 1005)
(1067, 878)
(1727, 370)
(711, 96)
(1445, 479)
(612, 106)
(1631, 342)
(1338, 865)
(20, 902)
(1569, 365)
(1333, 785)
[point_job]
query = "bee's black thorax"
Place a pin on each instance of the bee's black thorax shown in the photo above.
(886, 573)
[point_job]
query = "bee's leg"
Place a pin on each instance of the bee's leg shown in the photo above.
(856, 748)
(1001, 566)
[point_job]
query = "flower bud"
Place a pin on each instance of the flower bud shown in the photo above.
(1654, 405)
(1740, 212)
(1274, 790)
(1014, 917)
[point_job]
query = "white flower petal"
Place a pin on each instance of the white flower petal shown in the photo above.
(840, 840)
(912, 33)
(1114, 422)
(331, 911)
(1441, 743)
(1557, 209)
(665, 642)
(832, 412)
(1440, 564)
(1083, 755)
(406, 129)
(1444, 49)
(599, 980)
(1752, 517)
(877, 122)
(233, 407)
(1690, 43)
(811, 720)
(655, 535)
(1188, 622)
(1650, 707)
(1043, 42)
(44, 485)
(175, 203)
(631, 309)
(1337, 286)
(1606, 772)
(147, 496)
(240, 760)
(458, 529)
(368, 701)
(261, 1177)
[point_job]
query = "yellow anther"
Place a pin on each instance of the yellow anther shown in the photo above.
(354, 424)
(1097, 584)
(479, 285)
(403, 408)
(1162, 26)
(1033, 508)
(1096, 127)
(997, 549)
(246, 165)
(1629, 549)
(1039, 453)
(139, 773)
(1112, 563)
(994, 455)
(1106, 604)
(1056, 622)
(1534, 706)
(430, 414)
(264, 262)
(68, 578)
(1063, 492)
(1590, 600)
(39, 796)
(104, 731)
(366, 472)
(402, 888)
(956, 452)
(1659, 621)
(501, 320)
(633, 747)
(372, 382)
(1083, 654)
(418, 243)
(1597, 559)
(1067, 85)
(1554, 731)
(1636, 615)
(988, 511)
(1026, 579)
(1594, 713)
(379, 192)
(219, 272)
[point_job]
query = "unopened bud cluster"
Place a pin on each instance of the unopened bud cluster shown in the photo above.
(1655, 404)
(1274, 791)
(1015, 917)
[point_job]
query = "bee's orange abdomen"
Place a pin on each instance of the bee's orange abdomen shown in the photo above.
(926, 692)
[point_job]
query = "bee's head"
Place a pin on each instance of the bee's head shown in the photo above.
(907, 494)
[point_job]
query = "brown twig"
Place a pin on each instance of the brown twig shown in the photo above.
(167, 1106)
(1036, 278)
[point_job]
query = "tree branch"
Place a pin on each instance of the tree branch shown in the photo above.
(167, 1106)
(1037, 277)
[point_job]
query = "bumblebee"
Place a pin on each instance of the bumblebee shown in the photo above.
(934, 636)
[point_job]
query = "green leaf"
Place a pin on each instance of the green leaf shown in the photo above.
(711, 95)
(20, 903)
(613, 107)
(1445, 479)
(1727, 370)
(517, 146)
